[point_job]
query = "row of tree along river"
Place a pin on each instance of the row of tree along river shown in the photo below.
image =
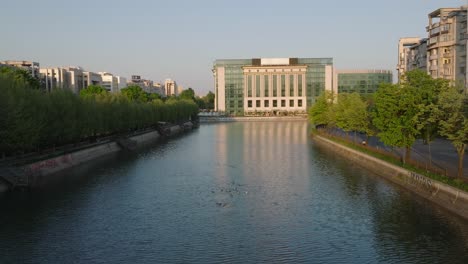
(32, 120)
(418, 107)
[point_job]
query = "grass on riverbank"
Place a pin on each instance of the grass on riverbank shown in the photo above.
(457, 183)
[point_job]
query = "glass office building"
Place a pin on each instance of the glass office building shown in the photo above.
(363, 82)
(270, 86)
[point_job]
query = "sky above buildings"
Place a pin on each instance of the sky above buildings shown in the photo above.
(180, 39)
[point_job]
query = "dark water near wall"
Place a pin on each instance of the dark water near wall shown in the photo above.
(228, 193)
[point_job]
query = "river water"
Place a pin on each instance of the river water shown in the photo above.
(247, 192)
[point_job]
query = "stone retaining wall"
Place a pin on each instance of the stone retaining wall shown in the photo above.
(33, 171)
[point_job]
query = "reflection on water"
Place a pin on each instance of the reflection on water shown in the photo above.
(253, 192)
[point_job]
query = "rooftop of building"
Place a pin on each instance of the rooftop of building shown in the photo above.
(439, 11)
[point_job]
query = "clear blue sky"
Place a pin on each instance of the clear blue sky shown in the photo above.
(180, 39)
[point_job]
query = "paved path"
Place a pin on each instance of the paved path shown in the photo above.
(444, 155)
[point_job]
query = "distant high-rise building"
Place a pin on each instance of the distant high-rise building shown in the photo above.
(170, 87)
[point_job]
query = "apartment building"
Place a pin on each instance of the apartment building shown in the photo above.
(146, 85)
(109, 82)
(55, 78)
(91, 78)
(404, 53)
(30, 66)
(443, 53)
(170, 87)
(122, 82)
(446, 46)
(270, 86)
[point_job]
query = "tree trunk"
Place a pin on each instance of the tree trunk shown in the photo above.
(461, 154)
(430, 154)
(407, 154)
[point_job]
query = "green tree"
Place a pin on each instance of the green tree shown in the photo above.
(188, 94)
(351, 113)
(209, 100)
(394, 116)
(92, 90)
(21, 75)
(427, 91)
(321, 113)
(135, 93)
(452, 114)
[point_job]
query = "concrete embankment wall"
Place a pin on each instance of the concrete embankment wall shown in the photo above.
(439, 193)
(34, 171)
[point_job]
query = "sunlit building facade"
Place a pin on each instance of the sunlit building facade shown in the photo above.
(270, 86)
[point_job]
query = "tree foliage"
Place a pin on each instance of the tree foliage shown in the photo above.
(135, 94)
(92, 90)
(351, 113)
(188, 94)
(452, 116)
(322, 112)
(394, 116)
(32, 120)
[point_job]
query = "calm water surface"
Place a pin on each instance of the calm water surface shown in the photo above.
(253, 192)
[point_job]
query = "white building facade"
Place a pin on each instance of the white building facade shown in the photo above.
(170, 87)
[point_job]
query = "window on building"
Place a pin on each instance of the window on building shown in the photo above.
(462, 70)
(275, 85)
(249, 86)
(266, 85)
(283, 85)
(240, 103)
(283, 103)
(275, 103)
(257, 103)
(266, 103)
(299, 85)
(291, 85)
(299, 103)
(257, 85)
(291, 103)
(249, 103)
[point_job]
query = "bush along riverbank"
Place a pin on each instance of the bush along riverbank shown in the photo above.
(450, 194)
